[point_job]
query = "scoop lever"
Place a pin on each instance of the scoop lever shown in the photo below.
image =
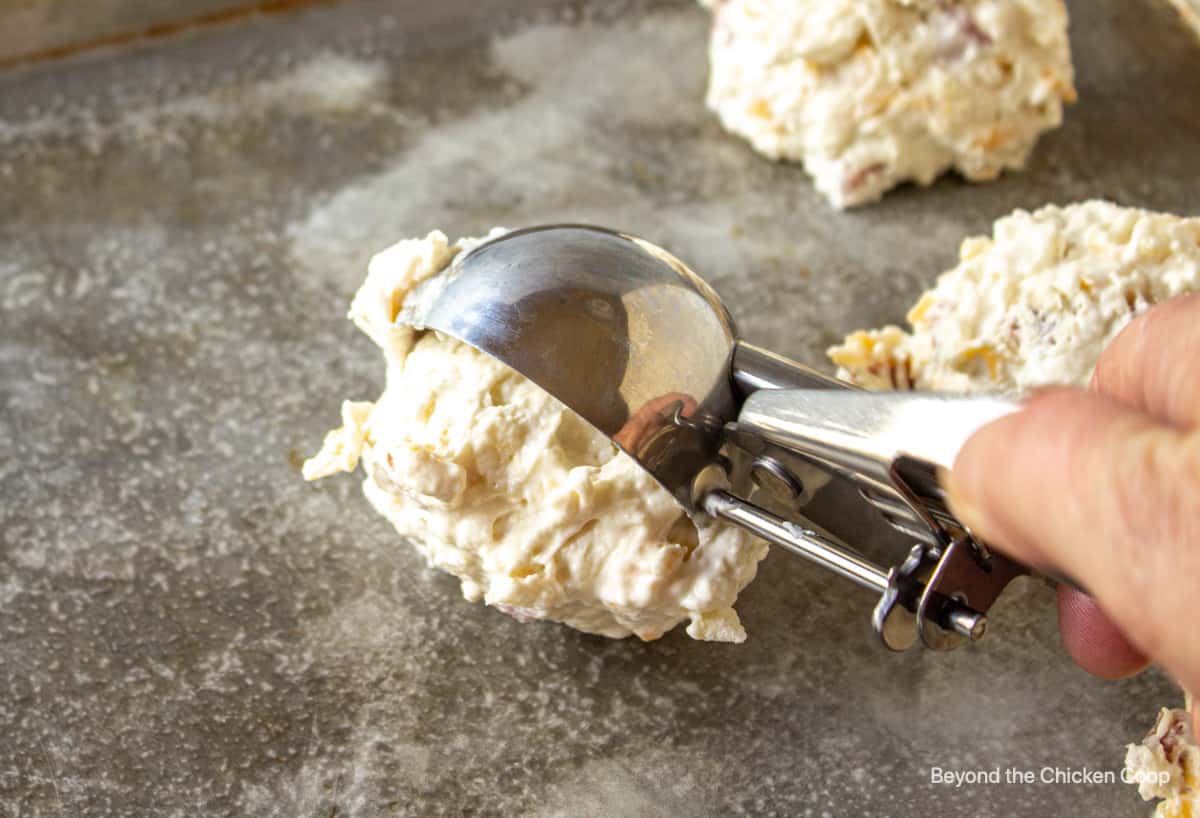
(892, 444)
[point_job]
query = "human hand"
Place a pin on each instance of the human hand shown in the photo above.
(1104, 485)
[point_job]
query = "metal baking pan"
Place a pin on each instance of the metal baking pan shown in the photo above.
(190, 629)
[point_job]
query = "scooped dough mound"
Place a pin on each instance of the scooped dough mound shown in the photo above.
(534, 510)
(1033, 305)
(870, 93)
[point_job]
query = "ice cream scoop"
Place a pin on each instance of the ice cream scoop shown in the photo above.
(628, 337)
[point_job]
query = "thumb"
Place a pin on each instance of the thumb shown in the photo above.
(1104, 493)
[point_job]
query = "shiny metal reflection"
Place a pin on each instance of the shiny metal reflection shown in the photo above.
(616, 328)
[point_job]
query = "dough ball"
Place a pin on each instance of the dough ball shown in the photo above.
(1033, 305)
(871, 93)
(534, 510)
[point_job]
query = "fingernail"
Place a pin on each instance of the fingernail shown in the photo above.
(962, 508)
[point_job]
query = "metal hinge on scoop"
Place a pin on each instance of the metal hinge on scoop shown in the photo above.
(890, 446)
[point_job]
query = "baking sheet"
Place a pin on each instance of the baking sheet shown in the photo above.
(190, 629)
(34, 27)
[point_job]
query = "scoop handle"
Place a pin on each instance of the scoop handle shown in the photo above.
(891, 445)
(755, 368)
(871, 431)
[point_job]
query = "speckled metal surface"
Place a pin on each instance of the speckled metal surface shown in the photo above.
(31, 26)
(186, 628)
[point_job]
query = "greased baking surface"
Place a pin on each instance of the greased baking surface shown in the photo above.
(870, 93)
(1033, 304)
(534, 510)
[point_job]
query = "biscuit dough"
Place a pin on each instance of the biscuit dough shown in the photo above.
(870, 93)
(535, 511)
(1034, 304)
(1166, 765)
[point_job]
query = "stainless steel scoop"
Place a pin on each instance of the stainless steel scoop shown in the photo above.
(623, 333)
